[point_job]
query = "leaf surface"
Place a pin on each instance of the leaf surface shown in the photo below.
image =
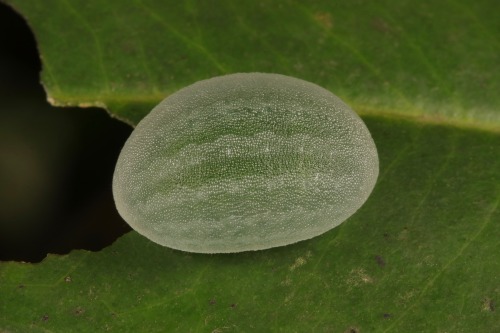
(420, 256)
(422, 59)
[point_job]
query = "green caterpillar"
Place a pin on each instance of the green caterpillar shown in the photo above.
(244, 162)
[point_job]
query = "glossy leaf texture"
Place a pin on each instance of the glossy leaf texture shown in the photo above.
(420, 256)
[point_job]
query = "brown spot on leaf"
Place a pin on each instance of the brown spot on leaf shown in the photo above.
(67, 279)
(352, 330)
(45, 317)
(488, 305)
(387, 315)
(380, 261)
(234, 305)
(324, 19)
(381, 25)
(212, 301)
(79, 311)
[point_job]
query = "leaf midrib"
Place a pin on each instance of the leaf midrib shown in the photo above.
(361, 109)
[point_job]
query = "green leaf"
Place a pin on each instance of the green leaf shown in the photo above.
(420, 256)
(437, 60)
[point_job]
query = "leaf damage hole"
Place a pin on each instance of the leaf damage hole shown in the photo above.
(57, 162)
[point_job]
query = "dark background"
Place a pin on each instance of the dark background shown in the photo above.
(56, 164)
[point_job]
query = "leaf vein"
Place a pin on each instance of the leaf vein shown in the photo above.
(186, 39)
(97, 43)
(371, 67)
(464, 247)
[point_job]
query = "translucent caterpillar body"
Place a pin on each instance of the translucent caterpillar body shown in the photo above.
(244, 162)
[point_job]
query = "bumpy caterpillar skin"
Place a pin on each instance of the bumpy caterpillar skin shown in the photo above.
(244, 162)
